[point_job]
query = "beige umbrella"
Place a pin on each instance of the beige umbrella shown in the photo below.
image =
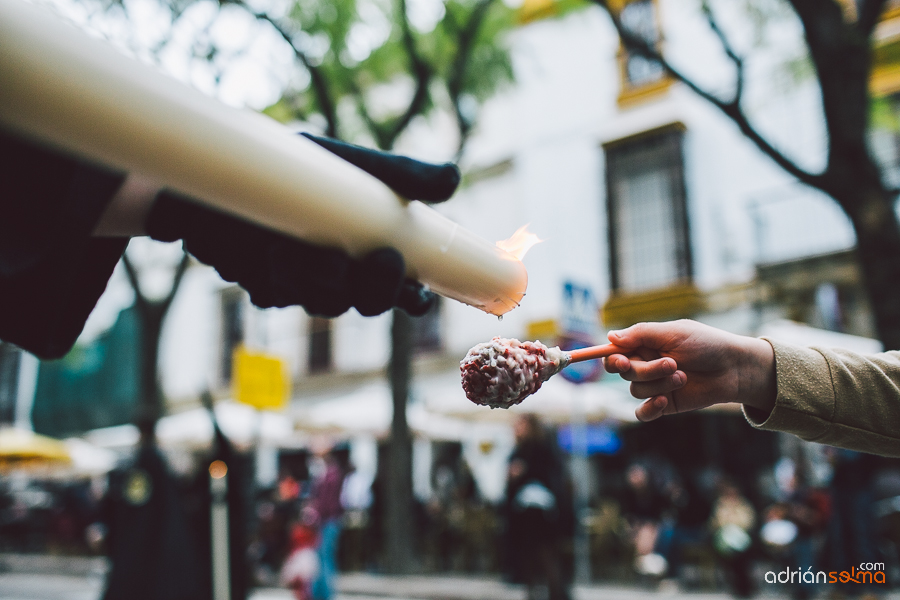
(23, 449)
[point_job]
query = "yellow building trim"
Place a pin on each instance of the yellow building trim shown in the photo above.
(678, 301)
(891, 13)
(884, 81)
(632, 95)
(646, 133)
(546, 330)
(885, 77)
(535, 10)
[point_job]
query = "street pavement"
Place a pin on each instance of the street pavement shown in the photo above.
(363, 586)
(354, 586)
(87, 584)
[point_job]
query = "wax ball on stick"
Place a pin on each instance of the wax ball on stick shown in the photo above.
(503, 372)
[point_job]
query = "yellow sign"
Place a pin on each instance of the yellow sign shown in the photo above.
(260, 380)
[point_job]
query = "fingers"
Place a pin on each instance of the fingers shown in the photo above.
(377, 280)
(379, 285)
(278, 270)
(651, 377)
(658, 387)
(415, 299)
(315, 277)
(412, 179)
(648, 378)
(648, 335)
(651, 409)
(634, 369)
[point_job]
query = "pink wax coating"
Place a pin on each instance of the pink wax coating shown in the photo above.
(503, 372)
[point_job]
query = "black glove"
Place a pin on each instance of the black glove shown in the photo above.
(279, 270)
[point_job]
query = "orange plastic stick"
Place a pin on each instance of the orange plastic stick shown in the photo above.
(593, 352)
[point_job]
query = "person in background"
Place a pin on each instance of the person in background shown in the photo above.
(851, 534)
(356, 499)
(732, 523)
(809, 509)
(688, 510)
(643, 506)
(537, 511)
(302, 566)
(325, 501)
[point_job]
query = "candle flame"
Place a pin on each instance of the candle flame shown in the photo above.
(520, 242)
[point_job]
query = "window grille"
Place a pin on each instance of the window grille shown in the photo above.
(648, 225)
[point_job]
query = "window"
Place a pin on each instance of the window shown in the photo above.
(427, 336)
(320, 360)
(639, 17)
(9, 382)
(648, 227)
(232, 302)
(641, 77)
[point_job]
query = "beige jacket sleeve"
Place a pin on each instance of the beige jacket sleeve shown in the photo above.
(835, 397)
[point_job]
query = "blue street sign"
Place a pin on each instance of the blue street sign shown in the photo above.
(581, 372)
(600, 438)
(581, 328)
(579, 310)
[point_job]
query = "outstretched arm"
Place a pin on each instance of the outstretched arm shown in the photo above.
(830, 396)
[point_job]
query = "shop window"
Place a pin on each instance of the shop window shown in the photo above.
(320, 345)
(9, 382)
(232, 311)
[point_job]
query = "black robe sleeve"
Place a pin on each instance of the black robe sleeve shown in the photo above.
(52, 272)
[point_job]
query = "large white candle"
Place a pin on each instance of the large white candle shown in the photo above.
(64, 88)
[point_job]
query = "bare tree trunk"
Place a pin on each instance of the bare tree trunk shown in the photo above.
(399, 504)
(878, 252)
(149, 409)
(151, 315)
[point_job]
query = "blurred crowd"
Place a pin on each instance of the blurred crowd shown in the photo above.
(798, 524)
(50, 515)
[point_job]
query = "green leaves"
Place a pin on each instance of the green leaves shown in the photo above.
(372, 70)
(884, 114)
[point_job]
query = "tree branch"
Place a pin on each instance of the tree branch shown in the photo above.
(318, 80)
(869, 12)
(732, 109)
(421, 72)
(140, 300)
(729, 50)
(456, 77)
(842, 58)
(378, 131)
(180, 270)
